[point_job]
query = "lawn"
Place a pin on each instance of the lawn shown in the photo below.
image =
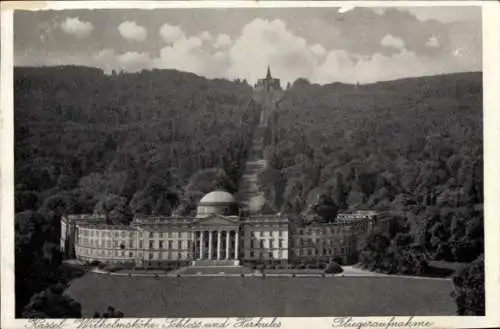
(229, 296)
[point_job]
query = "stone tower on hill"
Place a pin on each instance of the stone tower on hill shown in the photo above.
(267, 93)
(268, 83)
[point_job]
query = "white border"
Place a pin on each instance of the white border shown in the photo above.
(491, 83)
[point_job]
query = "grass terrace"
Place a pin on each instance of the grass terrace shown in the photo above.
(247, 297)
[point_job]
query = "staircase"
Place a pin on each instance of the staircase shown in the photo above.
(250, 198)
(215, 262)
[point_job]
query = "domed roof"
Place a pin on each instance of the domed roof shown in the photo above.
(218, 197)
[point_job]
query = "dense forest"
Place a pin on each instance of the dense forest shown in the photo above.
(151, 143)
(154, 142)
(410, 149)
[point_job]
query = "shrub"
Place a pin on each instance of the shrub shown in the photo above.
(94, 263)
(469, 288)
(333, 268)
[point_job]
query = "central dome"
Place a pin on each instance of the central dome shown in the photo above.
(217, 197)
(216, 202)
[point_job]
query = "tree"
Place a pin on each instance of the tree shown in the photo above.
(469, 288)
(110, 313)
(52, 303)
(115, 208)
(36, 254)
(223, 182)
(26, 200)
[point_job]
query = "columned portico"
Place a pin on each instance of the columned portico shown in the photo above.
(216, 244)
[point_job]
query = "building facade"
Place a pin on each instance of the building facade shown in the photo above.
(215, 236)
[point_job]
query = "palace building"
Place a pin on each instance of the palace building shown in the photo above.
(224, 230)
(215, 236)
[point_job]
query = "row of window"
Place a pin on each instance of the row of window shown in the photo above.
(116, 233)
(152, 244)
(268, 243)
(106, 243)
(278, 233)
(169, 244)
(322, 231)
(88, 252)
(261, 254)
(323, 241)
(108, 233)
(168, 255)
(321, 252)
(264, 233)
(104, 253)
(160, 235)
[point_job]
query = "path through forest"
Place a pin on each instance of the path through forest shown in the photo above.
(250, 197)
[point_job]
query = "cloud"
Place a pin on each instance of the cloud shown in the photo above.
(171, 33)
(185, 54)
(385, 54)
(133, 61)
(443, 14)
(223, 40)
(344, 67)
(205, 35)
(318, 49)
(432, 42)
(392, 41)
(264, 42)
(131, 31)
(73, 25)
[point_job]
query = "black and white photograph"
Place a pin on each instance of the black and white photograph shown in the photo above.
(248, 162)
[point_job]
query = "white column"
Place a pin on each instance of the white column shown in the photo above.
(237, 238)
(210, 244)
(226, 233)
(218, 245)
(201, 245)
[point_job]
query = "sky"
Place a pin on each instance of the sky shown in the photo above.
(323, 45)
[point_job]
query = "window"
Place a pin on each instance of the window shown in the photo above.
(151, 244)
(161, 234)
(161, 244)
(179, 255)
(150, 255)
(130, 254)
(140, 244)
(170, 244)
(150, 234)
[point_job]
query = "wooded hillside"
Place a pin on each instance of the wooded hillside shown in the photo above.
(410, 147)
(144, 143)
